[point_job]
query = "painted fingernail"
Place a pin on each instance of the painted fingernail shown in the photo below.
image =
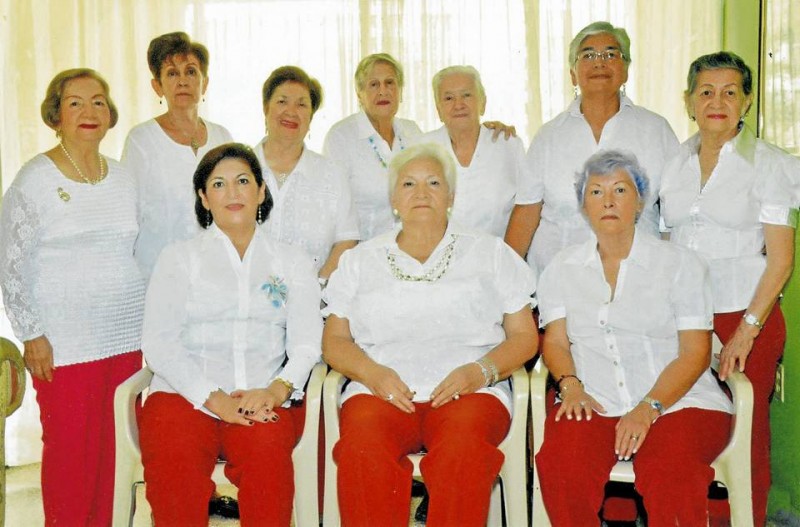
(275, 418)
(265, 419)
(240, 410)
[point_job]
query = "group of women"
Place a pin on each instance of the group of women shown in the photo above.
(428, 310)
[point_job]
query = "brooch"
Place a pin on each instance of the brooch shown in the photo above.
(276, 290)
(65, 197)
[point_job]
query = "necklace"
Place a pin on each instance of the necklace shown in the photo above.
(193, 142)
(378, 154)
(103, 168)
(282, 177)
(434, 273)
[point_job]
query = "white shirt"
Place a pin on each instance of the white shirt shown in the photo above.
(621, 342)
(424, 330)
(496, 179)
(66, 262)
(724, 220)
(313, 209)
(364, 154)
(215, 321)
(164, 170)
(558, 153)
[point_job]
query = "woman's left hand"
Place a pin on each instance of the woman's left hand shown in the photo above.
(736, 350)
(632, 429)
(499, 128)
(461, 381)
(258, 404)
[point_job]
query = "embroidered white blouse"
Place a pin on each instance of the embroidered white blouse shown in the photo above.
(622, 340)
(215, 321)
(364, 154)
(496, 179)
(163, 170)
(66, 262)
(424, 330)
(314, 208)
(724, 220)
(558, 152)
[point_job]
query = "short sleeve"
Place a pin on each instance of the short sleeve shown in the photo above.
(342, 285)
(549, 294)
(780, 192)
(528, 192)
(516, 282)
(691, 295)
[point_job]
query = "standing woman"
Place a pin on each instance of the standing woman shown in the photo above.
(600, 117)
(74, 294)
(725, 196)
(162, 153)
(313, 206)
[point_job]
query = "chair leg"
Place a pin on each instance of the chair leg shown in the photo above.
(495, 518)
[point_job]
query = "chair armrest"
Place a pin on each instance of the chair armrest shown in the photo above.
(742, 391)
(9, 353)
(331, 393)
(125, 426)
(539, 376)
(519, 405)
(313, 400)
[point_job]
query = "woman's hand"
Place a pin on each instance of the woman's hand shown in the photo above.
(632, 429)
(499, 128)
(259, 404)
(575, 402)
(465, 379)
(38, 358)
(226, 408)
(735, 352)
(384, 383)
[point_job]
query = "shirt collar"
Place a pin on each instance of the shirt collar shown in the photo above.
(743, 144)
(389, 239)
(575, 106)
(587, 255)
(302, 163)
(365, 128)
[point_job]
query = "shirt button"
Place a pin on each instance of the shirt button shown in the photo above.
(622, 384)
(616, 363)
(609, 330)
(602, 322)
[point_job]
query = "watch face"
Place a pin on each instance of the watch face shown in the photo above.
(752, 320)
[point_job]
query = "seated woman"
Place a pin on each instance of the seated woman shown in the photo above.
(232, 330)
(627, 321)
(426, 320)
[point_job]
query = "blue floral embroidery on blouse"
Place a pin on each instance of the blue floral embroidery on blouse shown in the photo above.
(276, 290)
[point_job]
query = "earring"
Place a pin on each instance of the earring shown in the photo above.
(258, 215)
(622, 90)
(396, 212)
(449, 211)
(575, 91)
(692, 118)
(160, 101)
(204, 98)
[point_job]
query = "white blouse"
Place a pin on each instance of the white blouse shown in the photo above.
(66, 262)
(622, 340)
(314, 208)
(424, 330)
(558, 153)
(496, 179)
(364, 154)
(724, 220)
(215, 321)
(163, 170)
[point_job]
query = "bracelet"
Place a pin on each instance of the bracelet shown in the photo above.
(567, 376)
(487, 376)
(489, 369)
(285, 383)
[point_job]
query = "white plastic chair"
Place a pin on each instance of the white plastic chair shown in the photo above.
(513, 474)
(731, 468)
(129, 471)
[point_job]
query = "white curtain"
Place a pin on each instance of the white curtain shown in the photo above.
(780, 119)
(519, 46)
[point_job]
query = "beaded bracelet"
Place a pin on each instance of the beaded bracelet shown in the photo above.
(489, 369)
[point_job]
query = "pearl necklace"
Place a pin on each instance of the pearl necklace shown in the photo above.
(103, 168)
(433, 274)
(378, 154)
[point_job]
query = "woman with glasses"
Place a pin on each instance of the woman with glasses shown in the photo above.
(600, 117)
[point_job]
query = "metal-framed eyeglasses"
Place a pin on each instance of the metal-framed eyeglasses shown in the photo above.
(608, 55)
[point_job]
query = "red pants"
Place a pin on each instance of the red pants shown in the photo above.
(672, 467)
(760, 369)
(181, 445)
(459, 469)
(77, 415)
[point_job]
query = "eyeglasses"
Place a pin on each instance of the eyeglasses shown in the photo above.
(591, 55)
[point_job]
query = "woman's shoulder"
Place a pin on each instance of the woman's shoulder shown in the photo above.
(35, 172)
(347, 125)
(217, 133)
(143, 130)
(434, 136)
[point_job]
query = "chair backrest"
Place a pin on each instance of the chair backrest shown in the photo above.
(12, 391)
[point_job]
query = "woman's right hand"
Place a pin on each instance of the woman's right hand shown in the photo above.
(386, 384)
(38, 358)
(576, 402)
(227, 409)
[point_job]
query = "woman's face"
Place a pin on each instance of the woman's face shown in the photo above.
(421, 191)
(181, 81)
(232, 194)
(599, 75)
(611, 203)
(380, 95)
(84, 113)
(458, 102)
(718, 101)
(288, 112)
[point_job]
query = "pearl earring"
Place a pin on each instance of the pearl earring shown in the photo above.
(395, 212)
(575, 91)
(258, 215)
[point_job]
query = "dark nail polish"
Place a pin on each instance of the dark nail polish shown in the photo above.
(239, 410)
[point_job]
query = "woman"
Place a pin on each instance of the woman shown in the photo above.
(725, 195)
(74, 294)
(493, 178)
(162, 153)
(425, 320)
(231, 332)
(627, 319)
(600, 117)
(313, 206)
(365, 142)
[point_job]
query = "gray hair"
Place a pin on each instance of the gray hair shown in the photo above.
(433, 151)
(605, 163)
(598, 28)
(367, 64)
(458, 70)
(721, 60)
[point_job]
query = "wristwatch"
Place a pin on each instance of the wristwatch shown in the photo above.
(752, 320)
(655, 404)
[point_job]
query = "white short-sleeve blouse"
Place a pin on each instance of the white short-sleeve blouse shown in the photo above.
(622, 340)
(424, 330)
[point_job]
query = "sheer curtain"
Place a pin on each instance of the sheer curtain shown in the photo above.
(780, 123)
(519, 46)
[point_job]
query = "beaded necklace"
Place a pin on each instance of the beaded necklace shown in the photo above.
(434, 273)
(378, 154)
(103, 169)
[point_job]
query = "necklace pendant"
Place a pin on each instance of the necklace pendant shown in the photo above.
(65, 197)
(195, 144)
